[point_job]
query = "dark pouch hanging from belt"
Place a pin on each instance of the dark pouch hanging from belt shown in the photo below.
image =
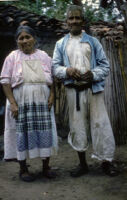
(77, 100)
(78, 89)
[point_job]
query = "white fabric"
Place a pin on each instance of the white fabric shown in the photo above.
(31, 91)
(33, 71)
(92, 117)
(10, 147)
(10, 150)
(79, 54)
(34, 153)
(78, 120)
(12, 68)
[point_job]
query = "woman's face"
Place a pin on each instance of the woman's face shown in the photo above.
(26, 43)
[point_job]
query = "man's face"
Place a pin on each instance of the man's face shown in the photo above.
(74, 22)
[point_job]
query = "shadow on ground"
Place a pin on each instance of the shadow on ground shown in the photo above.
(93, 186)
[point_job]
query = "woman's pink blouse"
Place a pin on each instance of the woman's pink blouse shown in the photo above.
(12, 67)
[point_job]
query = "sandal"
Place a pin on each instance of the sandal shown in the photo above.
(26, 176)
(48, 173)
(109, 169)
(79, 171)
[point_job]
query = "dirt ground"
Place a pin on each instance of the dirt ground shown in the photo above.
(93, 186)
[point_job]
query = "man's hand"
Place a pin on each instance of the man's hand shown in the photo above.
(14, 110)
(73, 73)
(88, 77)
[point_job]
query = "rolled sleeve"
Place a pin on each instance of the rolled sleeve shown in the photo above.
(59, 70)
(5, 80)
(102, 65)
(7, 69)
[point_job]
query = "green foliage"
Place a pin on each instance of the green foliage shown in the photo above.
(28, 5)
(57, 9)
(95, 13)
(50, 8)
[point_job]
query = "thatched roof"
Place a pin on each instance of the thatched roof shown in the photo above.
(108, 30)
(11, 17)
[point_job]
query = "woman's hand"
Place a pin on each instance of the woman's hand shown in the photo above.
(14, 110)
(9, 94)
(50, 101)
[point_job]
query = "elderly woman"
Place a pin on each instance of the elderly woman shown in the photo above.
(30, 129)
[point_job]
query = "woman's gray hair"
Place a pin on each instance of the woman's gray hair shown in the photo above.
(72, 8)
(28, 30)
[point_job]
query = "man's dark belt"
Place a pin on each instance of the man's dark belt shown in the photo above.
(79, 88)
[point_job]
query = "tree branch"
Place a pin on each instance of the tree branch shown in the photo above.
(77, 2)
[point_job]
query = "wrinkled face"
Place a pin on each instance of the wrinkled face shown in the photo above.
(74, 22)
(26, 43)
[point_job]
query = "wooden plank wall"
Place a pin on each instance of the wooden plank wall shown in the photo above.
(115, 93)
(116, 88)
(61, 110)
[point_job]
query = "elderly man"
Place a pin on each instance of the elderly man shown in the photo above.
(80, 62)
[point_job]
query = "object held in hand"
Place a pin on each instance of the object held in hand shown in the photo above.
(80, 83)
